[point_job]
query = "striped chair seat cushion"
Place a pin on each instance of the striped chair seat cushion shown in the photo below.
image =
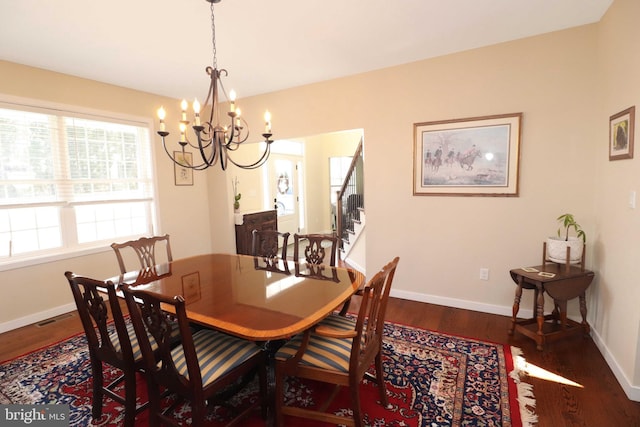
(341, 323)
(217, 354)
(135, 346)
(322, 352)
(336, 321)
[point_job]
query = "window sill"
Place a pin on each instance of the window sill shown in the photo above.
(15, 264)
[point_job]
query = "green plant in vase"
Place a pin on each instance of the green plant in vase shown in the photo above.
(236, 195)
(567, 222)
(557, 246)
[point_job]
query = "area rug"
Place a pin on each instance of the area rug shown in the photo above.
(433, 380)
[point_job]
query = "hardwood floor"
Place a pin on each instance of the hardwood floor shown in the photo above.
(600, 403)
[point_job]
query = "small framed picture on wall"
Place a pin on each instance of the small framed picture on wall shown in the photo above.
(183, 174)
(621, 129)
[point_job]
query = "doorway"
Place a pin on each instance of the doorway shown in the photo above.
(311, 183)
(284, 190)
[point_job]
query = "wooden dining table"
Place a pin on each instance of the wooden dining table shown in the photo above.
(247, 296)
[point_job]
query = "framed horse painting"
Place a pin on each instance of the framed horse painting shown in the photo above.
(475, 156)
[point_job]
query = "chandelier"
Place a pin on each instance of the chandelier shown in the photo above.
(215, 141)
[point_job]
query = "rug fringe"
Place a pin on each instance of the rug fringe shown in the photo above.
(526, 399)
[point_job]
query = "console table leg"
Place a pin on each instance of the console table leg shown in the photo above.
(561, 307)
(557, 312)
(516, 307)
(583, 311)
(540, 318)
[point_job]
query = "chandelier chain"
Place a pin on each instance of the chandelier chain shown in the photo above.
(213, 38)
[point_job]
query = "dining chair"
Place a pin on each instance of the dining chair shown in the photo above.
(117, 348)
(266, 244)
(315, 248)
(145, 249)
(338, 351)
(340, 321)
(315, 252)
(205, 362)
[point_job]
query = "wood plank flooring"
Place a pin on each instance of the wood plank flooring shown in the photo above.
(600, 403)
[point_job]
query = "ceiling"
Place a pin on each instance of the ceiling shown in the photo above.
(163, 46)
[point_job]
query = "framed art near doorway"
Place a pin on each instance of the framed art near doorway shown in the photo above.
(476, 156)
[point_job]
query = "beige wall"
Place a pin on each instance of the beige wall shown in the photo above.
(566, 84)
(617, 293)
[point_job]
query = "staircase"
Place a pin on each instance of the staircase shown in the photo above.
(350, 218)
(353, 248)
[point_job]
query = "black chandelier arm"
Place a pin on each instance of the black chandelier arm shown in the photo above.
(261, 161)
(201, 166)
(212, 93)
(224, 157)
(234, 140)
(203, 141)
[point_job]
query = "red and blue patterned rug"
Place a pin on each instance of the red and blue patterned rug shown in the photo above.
(433, 380)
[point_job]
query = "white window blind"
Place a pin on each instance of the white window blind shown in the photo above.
(70, 181)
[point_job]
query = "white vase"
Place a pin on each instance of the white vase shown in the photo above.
(557, 249)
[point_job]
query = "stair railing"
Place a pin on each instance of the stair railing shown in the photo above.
(350, 197)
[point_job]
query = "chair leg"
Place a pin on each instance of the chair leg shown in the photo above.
(129, 398)
(384, 400)
(154, 402)
(96, 371)
(199, 412)
(354, 390)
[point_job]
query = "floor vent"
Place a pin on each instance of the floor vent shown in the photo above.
(54, 319)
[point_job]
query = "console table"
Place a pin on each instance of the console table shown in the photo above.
(267, 220)
(562, 283)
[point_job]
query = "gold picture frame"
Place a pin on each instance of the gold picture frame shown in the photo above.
(621, 130)
(477, 156)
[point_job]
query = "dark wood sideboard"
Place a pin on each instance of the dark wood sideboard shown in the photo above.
(266, 220)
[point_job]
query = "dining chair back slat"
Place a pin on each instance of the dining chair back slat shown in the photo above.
(314, 248)
(315, 260)
(145, 249)
(269, 244)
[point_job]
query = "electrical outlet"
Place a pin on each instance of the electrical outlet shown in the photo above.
(484, 274)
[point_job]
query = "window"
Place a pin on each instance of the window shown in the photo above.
(71, 181)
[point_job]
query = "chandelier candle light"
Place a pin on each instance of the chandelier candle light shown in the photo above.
(214, 140)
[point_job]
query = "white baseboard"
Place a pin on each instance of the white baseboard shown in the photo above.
(458, 303)
(632, 392)
(36, 317)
